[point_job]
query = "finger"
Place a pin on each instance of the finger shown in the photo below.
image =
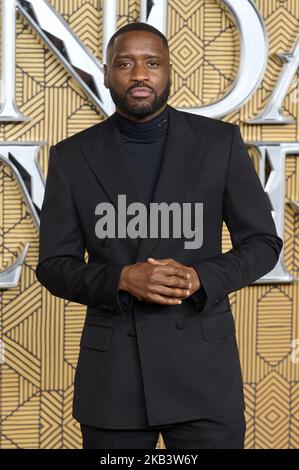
(164, 300)
(163, 260)
(175, 281)
(171, 291)
(156, 261)
(171, 270)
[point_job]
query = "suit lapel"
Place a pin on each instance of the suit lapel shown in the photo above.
(107, 159)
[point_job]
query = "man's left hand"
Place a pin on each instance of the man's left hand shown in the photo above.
(194, 279)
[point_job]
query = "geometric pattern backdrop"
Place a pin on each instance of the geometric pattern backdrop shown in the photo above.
(41, 332)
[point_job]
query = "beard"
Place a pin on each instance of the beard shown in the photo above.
(140, 108)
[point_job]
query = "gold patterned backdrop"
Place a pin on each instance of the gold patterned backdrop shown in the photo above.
(41, 333)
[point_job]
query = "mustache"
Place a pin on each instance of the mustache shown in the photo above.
(140, 86)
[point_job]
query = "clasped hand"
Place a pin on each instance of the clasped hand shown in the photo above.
(163, 281)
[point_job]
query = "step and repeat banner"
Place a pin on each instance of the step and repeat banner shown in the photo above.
(234, 60)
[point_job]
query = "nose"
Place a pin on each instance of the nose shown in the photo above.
(139, 72)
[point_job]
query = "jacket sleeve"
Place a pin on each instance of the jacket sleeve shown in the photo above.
(199, 297)
(61, 266)
(126, 299)
(247, 214)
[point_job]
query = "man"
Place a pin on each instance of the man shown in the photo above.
(158, 350)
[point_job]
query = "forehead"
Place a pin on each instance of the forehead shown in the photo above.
(137, 43)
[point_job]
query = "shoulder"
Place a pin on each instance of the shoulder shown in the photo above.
(85, 136)
(207, 122)
(207, 125)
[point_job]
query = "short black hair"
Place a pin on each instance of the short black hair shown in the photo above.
(136, 26)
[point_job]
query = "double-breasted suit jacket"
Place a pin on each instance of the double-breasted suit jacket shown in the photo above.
(143, 363)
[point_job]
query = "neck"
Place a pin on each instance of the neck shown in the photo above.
(145, 130)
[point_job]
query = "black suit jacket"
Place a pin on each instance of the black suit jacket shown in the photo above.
(143, 363)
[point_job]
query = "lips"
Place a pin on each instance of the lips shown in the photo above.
(141, 92)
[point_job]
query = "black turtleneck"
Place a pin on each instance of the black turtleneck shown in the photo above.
(144, 143)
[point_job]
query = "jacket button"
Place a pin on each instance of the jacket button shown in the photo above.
(216, 301)
(179, 326)
(132, 333)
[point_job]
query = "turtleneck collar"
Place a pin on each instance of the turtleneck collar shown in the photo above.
(143, 131)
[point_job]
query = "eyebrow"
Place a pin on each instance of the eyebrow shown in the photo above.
(148, 56)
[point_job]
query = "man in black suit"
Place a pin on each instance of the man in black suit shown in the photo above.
(158, 350)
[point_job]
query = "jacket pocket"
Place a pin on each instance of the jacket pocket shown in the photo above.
(96, 337)
(214, 328)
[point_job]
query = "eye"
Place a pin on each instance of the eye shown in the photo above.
(152, 63)
(124, 65)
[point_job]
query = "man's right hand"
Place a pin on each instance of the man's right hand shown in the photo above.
(165, 285)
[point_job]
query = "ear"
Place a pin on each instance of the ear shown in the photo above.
(170, 73)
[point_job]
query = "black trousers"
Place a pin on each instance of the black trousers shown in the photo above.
(222, 432)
